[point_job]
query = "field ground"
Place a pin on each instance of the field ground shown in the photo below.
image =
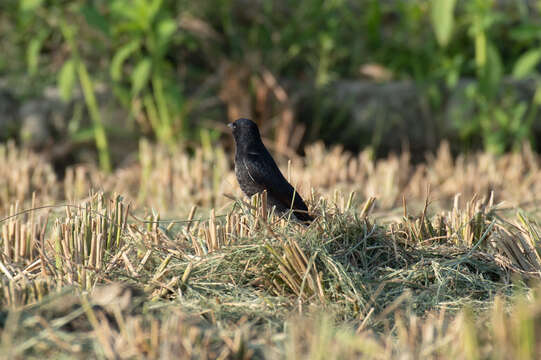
(165, 259)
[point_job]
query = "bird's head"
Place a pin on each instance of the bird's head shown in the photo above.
(245, 131)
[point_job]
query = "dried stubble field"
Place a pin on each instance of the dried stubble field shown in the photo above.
(165, 259)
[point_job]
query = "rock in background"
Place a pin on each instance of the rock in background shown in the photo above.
(389, 116)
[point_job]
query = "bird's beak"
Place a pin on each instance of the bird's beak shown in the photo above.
(230, 125)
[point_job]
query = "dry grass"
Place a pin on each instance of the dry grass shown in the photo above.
(175, 181)
(400, 276)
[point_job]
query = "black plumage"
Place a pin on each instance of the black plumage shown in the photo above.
(256, 171)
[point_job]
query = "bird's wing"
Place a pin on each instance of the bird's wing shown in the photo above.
(264, 171)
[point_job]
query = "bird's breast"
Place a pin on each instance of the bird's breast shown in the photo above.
(246, 182)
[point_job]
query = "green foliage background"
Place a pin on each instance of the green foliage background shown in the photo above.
(162, 58)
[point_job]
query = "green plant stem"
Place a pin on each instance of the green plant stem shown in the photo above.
(95, 115)
(165, 130)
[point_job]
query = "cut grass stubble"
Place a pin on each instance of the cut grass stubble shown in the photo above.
(243, 282)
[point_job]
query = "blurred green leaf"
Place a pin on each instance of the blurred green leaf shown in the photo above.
(83, 135)
(140, 75)
(134, 20)
(526, 64)
(66, 79)
(92, 105)
(166, 28)
(69, 31)
(526, 32)
(139, 13)
(518, 116)
(492, 72)
(152, 7)
(30, 5)
(32, 54)
(94, 18)
(120, 57)
(442, 16)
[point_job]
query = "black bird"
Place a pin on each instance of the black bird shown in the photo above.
(256, 171)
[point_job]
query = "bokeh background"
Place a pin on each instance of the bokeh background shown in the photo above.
(85, 80)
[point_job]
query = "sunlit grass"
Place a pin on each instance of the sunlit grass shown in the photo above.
(227, 279)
